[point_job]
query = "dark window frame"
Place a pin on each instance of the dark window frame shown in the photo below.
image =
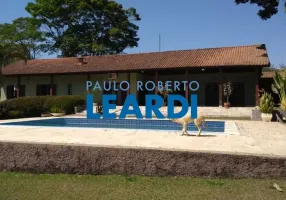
(69, 89)
(44, 89)
(11, 93)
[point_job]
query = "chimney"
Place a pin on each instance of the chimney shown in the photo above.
(80, 59)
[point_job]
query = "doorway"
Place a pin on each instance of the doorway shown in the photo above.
(212, 94)
(237, 99)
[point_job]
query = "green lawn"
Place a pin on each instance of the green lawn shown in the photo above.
(18, 186)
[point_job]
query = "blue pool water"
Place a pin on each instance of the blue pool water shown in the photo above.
(213, 126)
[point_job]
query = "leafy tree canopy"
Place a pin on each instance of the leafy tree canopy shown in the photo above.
(86, 27)
(268, 7)
(23, 36)
(272, 68)
(10, 53)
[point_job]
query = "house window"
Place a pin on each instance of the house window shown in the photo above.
(11, 91)
(44, 89)
(70, 89)
(22, 90)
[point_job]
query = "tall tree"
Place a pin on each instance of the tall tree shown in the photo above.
(25, 34)
(86, 27)
(269, 7)
(10, 48)
(10, 53)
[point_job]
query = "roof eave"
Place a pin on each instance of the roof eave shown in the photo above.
(129, 70)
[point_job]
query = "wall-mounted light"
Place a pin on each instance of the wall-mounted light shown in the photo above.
(203, 69)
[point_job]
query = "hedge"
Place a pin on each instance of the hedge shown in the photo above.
(35, 106)
(67, 103)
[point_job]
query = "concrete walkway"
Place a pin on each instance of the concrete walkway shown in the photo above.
(255, 137)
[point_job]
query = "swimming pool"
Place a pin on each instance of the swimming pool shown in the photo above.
(213, 126)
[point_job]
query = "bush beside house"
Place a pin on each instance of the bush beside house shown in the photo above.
(279, 87)
(66, 103)
(266, 106)
(227, 91)
(22, 107)
(35, 106)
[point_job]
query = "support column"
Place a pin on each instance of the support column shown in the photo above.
(156, 86)
(51, 85)
(18, 86)
(187, 87)
(220, 88)
(256, 95)
(88, 79)
(128, 80)
(257, 71)
(156, 82)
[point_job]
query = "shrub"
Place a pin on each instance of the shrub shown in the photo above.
(227, 90)
(279, 87)
(56, 109)
(66, 103)
(13, 114)
(35, 106)
(3, 109)
(28, 106)
(266, 103)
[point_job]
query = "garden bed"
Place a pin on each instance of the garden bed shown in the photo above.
(24, 107)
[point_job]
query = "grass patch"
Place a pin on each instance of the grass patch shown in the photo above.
(129, 178)
(215, 182)
(72, 187)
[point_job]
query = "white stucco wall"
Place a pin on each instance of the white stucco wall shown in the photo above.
(6, 81)
(79, 83)
(247, 78)
(30, 83)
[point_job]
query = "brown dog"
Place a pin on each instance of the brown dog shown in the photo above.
(184, 121)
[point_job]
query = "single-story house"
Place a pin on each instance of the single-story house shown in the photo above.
(210, 67)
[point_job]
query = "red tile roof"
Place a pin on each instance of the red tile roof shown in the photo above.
(252, 55)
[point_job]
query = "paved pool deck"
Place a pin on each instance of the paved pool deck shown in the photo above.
(255, 137)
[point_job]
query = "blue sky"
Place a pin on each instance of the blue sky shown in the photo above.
(190, 24)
